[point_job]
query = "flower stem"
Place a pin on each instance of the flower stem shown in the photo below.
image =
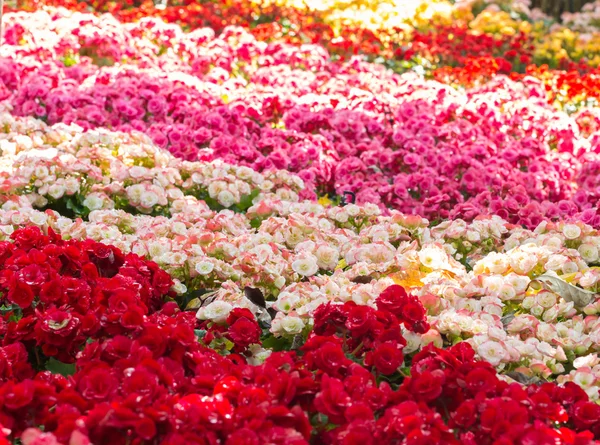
(357, 349)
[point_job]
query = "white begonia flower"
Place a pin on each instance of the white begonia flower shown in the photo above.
(570, 267)
(174, 193)
(204, 267)
(493, 284)
(10, 205)
(519, 282)
(57, 191)
(137, 171)
(470, 304)
(18, 218)
(41, 172)
(292, 325)
(537, 310)
(592, 392)
(226, 198)
(259, 355)
(305, 266)
(550, 315)
(413, 341)
(352, 209)
(523, 262)
(588, 252)
(72, 185)
(571, 231)
(139, 249)
(157, 249)
(179, 287)
(327, 257)
(286, 301)
(39, 219)
(473, 236)
(7, 230)
(305, 246)
(24, 142)
(266, 185)
(148, 199)
(553, 243)
(177, 258)
(134, 192)
(496, 262)
(588, 279)
(341, 216)
(546, 299)
(546, 349)
(546, 332)
(331, 288)
(507, 292)
(433, 258)
(178, 228)
(492, 352)
(279, 282)
(496, 333)
(589, 360)
(178, 206)
(493, 309)
(93, 202)
(555, 262)
(479, 327)
(217, 311)
(584, 379)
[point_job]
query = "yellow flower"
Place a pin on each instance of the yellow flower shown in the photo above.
(525, 27)
(409, 278)
(325, 201)
(495, 22)
(342, 264)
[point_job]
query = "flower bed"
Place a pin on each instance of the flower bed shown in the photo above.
(393, 140)
(180, 262)
(145, 373)
(428, 33)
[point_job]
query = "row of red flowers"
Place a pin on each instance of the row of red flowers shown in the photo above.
(146, 372)
(270, 21)
(459, 55)
(446, 44)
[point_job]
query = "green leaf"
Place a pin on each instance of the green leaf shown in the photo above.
(69, 60)
(75, 206)
(193, 304)
(222, 345)
(255, 223)
(246, 200)
(15, 316)
(8, 307)
(229, 344)
(276, 343)
(56, 367)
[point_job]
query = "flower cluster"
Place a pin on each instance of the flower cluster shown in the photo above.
(56, 294)
(424, 33)
(252, 233)
(64, 169)
(157, 381)
(373, 335)
(390, 139)
(467, 276)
